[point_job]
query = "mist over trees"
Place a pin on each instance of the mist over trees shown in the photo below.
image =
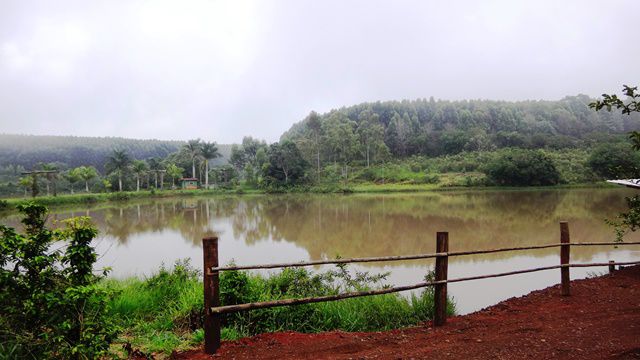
(373, 132)
(74, 151)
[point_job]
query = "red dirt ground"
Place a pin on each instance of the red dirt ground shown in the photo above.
(600, 320)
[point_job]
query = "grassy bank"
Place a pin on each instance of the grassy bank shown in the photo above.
(165, 311)
(93, 198)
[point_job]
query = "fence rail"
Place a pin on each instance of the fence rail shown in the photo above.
(213, 310)
(407, 257)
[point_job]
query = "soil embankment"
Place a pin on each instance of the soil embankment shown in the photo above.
(600, 320)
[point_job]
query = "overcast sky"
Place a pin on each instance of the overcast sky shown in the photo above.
(220, 70)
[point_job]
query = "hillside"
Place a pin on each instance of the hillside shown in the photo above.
(73, 151)
(432, 128)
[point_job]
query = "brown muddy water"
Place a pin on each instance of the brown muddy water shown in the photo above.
(136, 237)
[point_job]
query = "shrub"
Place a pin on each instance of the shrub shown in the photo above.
(515, 167)
(51, 304)
(615, 161)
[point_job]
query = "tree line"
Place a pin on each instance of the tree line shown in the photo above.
(344, 144)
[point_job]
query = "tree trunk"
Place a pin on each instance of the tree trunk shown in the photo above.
(193, 168)
(119, 182)
(206, 174)
(318, 155)
(156, 178)
(161, 181)
(48, 187)
(137, 182)
(367, 154)
(86, 185)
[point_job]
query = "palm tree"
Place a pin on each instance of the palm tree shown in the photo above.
(175, 172)
(192, 150)
(118, 163)
(26, 183)
(139, 168)
(72, 176)
(208, 151)
(86, 173)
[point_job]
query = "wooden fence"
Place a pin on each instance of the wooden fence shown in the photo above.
(213, 310)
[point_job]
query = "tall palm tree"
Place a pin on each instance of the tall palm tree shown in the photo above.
(72, 176)
(139, 168)
(118, 163)
(192, 150)
(208, 151)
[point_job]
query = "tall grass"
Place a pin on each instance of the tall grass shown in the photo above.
(165, 311)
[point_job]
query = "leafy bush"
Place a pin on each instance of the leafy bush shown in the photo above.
(51, 304)
(615, 161)
(516, 167)
(4, 204)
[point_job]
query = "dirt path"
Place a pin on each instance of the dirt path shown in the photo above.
(601, 320)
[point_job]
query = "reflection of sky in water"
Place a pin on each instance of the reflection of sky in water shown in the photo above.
(137, 237)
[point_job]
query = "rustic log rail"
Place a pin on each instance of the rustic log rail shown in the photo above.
(213, 310)
(407, 257)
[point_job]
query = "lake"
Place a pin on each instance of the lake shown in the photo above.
(137, 237)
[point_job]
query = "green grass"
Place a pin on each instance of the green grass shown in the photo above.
(93, 198)
(165, 311)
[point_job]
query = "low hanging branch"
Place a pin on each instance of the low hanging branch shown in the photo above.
(409, 257)
(309, 300)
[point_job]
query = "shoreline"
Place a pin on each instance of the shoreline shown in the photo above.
(10, 204)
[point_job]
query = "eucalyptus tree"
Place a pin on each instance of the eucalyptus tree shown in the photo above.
(139, 167)
(118, 163)
(193, 151)
(208, 151)
(86, 173)
(371, 133)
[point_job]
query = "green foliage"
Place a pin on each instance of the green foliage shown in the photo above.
(285, 165)
(627, 221)
(51, 304)
(164, 311)
(611, 101)
(517, 167)
(615, 161)
(621, 164)
(426, 127)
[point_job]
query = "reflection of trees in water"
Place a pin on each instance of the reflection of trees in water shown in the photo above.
(405, 224)
(376, 225)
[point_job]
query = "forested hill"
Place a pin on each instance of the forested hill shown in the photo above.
(73, 151)
(430, 127)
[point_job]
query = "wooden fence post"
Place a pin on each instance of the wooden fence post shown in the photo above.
(612, 266)
(440, 300)
(211, 295)
(565, 251)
